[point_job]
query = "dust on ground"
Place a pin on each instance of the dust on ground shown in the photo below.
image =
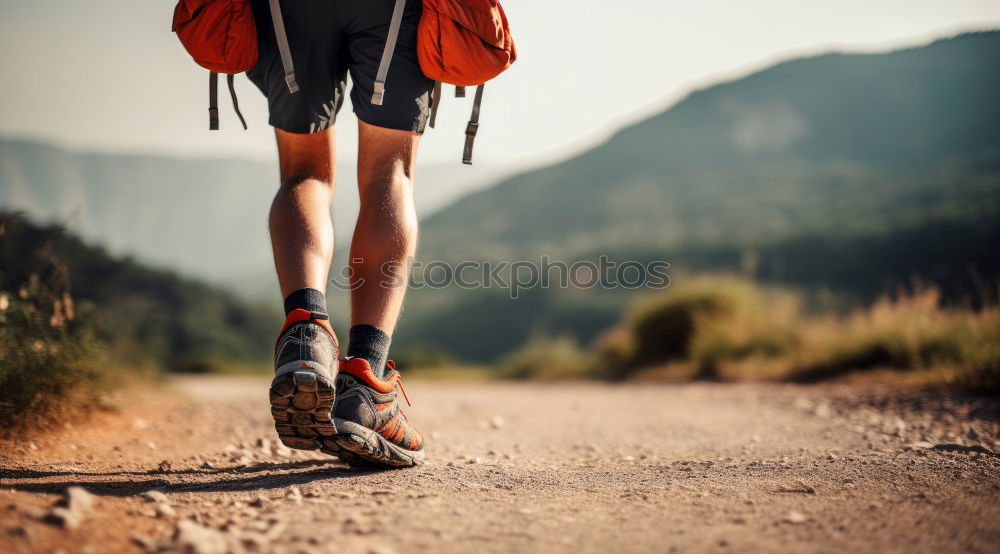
(579, 467)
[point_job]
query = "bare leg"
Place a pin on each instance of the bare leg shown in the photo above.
(385, 237)
(300, 222)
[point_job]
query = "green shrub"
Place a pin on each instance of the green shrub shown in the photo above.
(548, 359)
(704, 321)
(52, 364)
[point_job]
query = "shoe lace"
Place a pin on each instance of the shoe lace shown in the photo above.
(399, 380)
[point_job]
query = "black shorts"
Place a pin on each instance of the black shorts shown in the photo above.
(327, 39)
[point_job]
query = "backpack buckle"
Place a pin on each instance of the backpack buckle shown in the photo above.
(293, 86)
(379, 93)
(471, 128)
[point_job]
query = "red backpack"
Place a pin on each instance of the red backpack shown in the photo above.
(463, 43)
(221, 36)
(460, 42)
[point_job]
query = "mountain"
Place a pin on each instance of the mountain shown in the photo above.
(839, 143)
(847, 173)
(206, 218)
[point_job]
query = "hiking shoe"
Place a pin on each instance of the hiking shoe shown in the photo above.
(304, 385)
(371, 428)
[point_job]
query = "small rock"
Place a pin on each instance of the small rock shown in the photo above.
(151, 445)
(294, 494)
(154, 496)
(165, 510)
(497, 422)
(260, 501)
(165, 466)
(822, 410)
(32, 446)
(78, 499)
(475, 460)
(195, 539)
(147, 543)
(64, 518)
(139, 424)
(628, 458)
(795, 517)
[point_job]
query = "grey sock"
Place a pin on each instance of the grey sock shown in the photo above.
(307, 299)
(372, 344)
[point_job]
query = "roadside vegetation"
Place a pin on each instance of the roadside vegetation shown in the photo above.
(52, 363)
(75, 322)
(728, 328)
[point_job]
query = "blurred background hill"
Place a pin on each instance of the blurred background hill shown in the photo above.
(210, 216)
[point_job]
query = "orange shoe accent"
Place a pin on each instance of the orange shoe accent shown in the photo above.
(298, 314)
(360, 368)
(383, 406)
(415, 438)
(303, 365)
(389, 428)
(398, 435)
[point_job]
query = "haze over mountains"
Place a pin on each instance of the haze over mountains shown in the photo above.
(843, 172)
(206, 218)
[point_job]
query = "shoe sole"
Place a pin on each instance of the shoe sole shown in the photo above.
(360, 446)
(302, 406)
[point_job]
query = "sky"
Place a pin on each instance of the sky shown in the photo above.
(108, 75)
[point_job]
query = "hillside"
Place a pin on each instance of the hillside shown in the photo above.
(845, 173)
(145, 316)
(839, 144)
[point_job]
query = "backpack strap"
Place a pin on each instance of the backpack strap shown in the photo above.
(236, 105)
(435, 100)
(472, 127)
(283, 49)
(390, 47)
(213, 101)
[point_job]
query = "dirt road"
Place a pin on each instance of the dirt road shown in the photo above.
(524, 468)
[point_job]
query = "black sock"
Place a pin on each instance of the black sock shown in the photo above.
(372, 344)
(307, 299)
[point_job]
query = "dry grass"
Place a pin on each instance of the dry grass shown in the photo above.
(52, 366)
(911, 333)
(727, 328)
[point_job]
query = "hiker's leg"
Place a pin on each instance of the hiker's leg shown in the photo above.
(300, 222)
(385, 237)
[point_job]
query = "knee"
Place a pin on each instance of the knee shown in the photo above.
(298, 195)
(318, 179)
